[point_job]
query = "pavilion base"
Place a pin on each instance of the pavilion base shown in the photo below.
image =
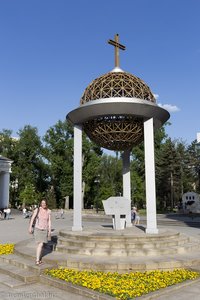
(151, 230)
(104, 249)
(101, 248)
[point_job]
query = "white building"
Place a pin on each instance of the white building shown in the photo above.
(191, 202)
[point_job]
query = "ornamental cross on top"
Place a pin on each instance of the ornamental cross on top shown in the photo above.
(117, 46)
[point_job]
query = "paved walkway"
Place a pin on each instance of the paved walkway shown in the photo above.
(36, 291)
(16, 229)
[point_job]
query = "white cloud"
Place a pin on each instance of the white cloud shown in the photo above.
(156, 96)
(169, 107)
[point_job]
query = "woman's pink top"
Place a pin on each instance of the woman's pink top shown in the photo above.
(42, 221)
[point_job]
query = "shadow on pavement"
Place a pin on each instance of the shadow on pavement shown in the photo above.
(191, 220)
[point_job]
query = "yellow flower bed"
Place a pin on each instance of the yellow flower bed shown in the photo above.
(123, 286)
(6, 248)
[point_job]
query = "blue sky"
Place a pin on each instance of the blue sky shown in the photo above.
(50, 50)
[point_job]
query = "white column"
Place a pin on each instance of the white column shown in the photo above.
(150, 177)
(4, 186)
(127, 182)
(77, 205)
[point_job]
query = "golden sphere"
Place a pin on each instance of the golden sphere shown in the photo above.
(116, 132)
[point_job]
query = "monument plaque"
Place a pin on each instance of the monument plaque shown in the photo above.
(118, 207)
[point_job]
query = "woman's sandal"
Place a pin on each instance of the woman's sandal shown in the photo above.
(39, 263)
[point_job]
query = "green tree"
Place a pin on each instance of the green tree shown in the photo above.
(59, 154)
(109, 180)
(194, 166)
(58, 151)
(91, 179)
(174, 174)
(51, 197)
(7, 144)
(138, 168)
(29, 163)
(28, 196)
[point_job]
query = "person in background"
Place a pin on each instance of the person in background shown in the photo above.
(42, 229)
(8, 212)
(133, 210)
(61, 213)
(5, 213)
(24, 212)
(137, 217)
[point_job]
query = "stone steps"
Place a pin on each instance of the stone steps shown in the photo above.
(16, 270)
(127, 235)
(20, 262)
(23, 275)
(11, 282)
(185, 254)
(126, 264)
(128, 253)
(124, 245)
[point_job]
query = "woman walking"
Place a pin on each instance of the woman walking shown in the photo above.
(42, 229)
